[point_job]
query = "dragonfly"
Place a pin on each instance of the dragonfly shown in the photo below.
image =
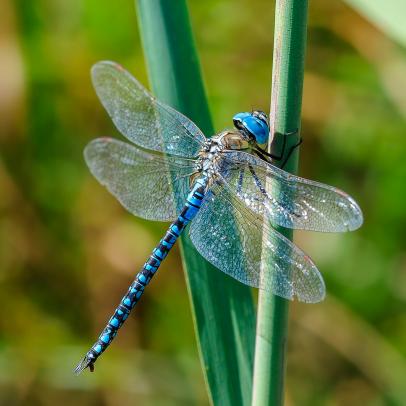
(227, 186)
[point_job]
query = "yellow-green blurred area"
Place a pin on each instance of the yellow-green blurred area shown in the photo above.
(68, 250)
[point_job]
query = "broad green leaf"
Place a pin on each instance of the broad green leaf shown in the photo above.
(222, 308)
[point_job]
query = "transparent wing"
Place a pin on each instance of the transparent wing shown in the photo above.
(243, 245)
(140, 117)
(288, 200)
(148, 185)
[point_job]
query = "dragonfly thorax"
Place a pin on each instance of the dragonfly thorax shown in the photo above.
(232, 140)
(206, 164)
(209, 157)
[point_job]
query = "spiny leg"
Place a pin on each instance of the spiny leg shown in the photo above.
(291, 149)
(240, 180)
(262, 188)
(257, 181)
(262, 153)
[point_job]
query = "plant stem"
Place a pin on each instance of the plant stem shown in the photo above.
(222, 308)
(287, 88)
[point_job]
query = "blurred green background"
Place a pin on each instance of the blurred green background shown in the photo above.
(68, 250)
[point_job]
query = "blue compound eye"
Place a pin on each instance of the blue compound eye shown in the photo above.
(253, 126)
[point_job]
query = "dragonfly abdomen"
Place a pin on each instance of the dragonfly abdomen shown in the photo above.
(136, 289)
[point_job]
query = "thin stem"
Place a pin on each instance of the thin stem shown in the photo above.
(287, 87)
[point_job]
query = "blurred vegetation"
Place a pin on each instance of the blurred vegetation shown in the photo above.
(68, 249)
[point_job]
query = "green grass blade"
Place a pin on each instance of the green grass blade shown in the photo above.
(387, 15)
(222, 308)
(287, 86)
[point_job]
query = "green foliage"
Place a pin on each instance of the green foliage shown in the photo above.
(225, 341)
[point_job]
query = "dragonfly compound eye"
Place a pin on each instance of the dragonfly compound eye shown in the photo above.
(253, 125)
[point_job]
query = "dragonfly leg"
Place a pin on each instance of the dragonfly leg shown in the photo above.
(257, 181)
(292, 148)
(240, 181)
(262, 188)
(262, 153)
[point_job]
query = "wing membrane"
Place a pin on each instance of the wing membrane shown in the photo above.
(148, 185)
(288, 200)
(140, 117)
(242, 244)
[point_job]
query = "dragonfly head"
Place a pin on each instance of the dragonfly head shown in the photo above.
(253, 126)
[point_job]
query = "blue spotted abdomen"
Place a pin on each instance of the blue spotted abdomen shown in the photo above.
(135, 291)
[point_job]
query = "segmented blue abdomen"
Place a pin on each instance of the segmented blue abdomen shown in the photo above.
(135, 291)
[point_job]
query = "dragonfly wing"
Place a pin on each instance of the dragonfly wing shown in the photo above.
(242, 244)
(290, 201)
(148, 185)
(140, 117)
